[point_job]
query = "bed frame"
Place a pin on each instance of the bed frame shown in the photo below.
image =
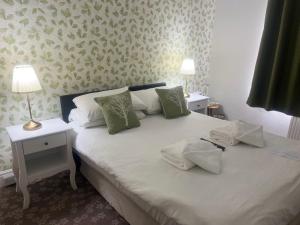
(117, 199)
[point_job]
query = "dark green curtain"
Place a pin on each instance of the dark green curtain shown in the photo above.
(276, 81)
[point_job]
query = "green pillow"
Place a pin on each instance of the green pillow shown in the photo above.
(172, 102)
(118, 112)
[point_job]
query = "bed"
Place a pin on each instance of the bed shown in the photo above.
(257, 186)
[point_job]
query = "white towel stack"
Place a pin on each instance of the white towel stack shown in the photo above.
(225, 136)
(250, 134)
(238, 131)
(173, 154)
(187, 153)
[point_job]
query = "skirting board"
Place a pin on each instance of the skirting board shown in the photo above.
(7, 178)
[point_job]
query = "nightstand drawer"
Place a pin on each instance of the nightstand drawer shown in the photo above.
(197, 105)
(43, 143)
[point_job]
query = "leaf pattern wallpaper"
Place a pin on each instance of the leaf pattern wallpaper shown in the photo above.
(76, 46)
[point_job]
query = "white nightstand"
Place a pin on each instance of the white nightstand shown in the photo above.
(41, 153)
(197, 102)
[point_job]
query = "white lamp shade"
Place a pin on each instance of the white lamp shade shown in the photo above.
(25, 79)
(188, 67)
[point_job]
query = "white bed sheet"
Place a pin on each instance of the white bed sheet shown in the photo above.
(256, 187)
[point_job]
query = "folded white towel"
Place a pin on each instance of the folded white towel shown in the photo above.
(250, 134)
(238, 131)
(225, 136)
(205, 155)
(173, 154)
(187, 153)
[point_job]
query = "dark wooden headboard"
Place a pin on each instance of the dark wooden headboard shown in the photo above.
(67, 104)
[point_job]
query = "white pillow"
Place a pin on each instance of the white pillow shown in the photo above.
(140, 115)
(137, 104)
(77, 116)
(91, 109)
(150, 98)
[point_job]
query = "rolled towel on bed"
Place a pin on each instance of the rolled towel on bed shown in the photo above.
(205, 155)
(250, 134)
(225, 136)
(187, 153)
(173, 154)
(238, 131)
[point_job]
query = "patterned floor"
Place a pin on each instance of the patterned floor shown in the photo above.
(53, 202)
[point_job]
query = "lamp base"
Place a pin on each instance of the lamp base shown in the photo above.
(187, 95)
(32, 125)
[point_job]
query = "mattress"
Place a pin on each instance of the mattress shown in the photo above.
(257, 186)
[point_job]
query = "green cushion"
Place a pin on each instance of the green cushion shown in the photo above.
(118, 112)
(172, 102)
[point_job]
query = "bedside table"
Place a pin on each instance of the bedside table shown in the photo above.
(41, 153)
(197, 103)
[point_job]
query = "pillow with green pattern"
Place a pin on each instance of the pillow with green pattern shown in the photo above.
(118, 112)
(172, 102)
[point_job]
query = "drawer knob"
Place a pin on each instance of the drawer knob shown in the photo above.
(46, 143)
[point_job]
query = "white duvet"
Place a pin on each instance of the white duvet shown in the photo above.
(257, 186)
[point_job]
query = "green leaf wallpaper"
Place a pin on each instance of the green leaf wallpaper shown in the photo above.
(76, 46)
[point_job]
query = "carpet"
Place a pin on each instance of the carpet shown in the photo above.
(53, 202)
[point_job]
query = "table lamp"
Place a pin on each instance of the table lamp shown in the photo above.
(26, 81)
(188, 70)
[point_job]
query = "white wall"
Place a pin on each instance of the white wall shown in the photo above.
(236, 38)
